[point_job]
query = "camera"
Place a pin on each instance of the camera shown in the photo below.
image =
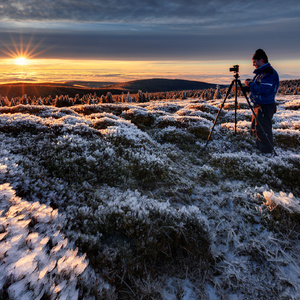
(234, 69)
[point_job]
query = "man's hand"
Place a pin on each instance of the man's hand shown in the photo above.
(248, 81)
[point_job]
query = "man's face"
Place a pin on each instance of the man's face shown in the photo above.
(258, 62)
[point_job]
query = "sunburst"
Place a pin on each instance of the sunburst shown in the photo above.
(20, 53)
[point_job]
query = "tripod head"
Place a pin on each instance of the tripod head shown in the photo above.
(235, 69)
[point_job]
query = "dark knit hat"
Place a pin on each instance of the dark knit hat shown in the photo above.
(260, 53)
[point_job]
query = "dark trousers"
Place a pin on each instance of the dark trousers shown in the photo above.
(264, 114)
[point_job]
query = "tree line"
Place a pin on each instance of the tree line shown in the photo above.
(287, 87)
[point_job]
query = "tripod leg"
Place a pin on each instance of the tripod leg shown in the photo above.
(256, 117)
(235, 105)
(212, 128)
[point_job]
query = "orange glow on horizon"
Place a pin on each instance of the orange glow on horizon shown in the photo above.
(62, 70)
(38, 70)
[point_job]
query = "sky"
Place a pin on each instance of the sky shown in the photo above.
(97, 40)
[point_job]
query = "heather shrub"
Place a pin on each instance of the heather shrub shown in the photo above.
(166, 121)
(103, 108)
(172, 134)
(231, 106)
(286, 139)
(282, 212)
(75, 160)
(140, 238)
(169, 108)
(141, 118)
(199, 131)
(143, 161)
(103, 123)
(288, 175)
(292, 105)
(277, 173)
(204, 107)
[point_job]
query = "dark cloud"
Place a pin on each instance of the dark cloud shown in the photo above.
(152, 29)
(166, 11)
(126, 42)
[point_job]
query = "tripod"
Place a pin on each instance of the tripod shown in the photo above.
(237, 82)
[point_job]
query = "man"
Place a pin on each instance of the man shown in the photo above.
(263, 88)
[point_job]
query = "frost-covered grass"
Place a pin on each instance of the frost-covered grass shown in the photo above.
(37, 261)
(118, 201)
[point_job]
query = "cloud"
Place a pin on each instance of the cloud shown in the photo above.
(204, 13)
(128, 42)
(153, 29)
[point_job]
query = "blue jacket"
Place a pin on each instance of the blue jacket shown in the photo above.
(265, 85)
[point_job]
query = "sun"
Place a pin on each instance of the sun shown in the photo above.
(21, 61)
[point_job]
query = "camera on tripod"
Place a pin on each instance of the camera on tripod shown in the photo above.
(234, 69)
(236, 83)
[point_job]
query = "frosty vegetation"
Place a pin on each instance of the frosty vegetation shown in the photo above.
(118, 201)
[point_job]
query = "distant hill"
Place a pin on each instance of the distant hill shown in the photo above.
(72, 88)
(52, 89)
(162, 85)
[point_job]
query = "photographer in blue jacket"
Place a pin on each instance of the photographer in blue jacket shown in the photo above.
(263, 88)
